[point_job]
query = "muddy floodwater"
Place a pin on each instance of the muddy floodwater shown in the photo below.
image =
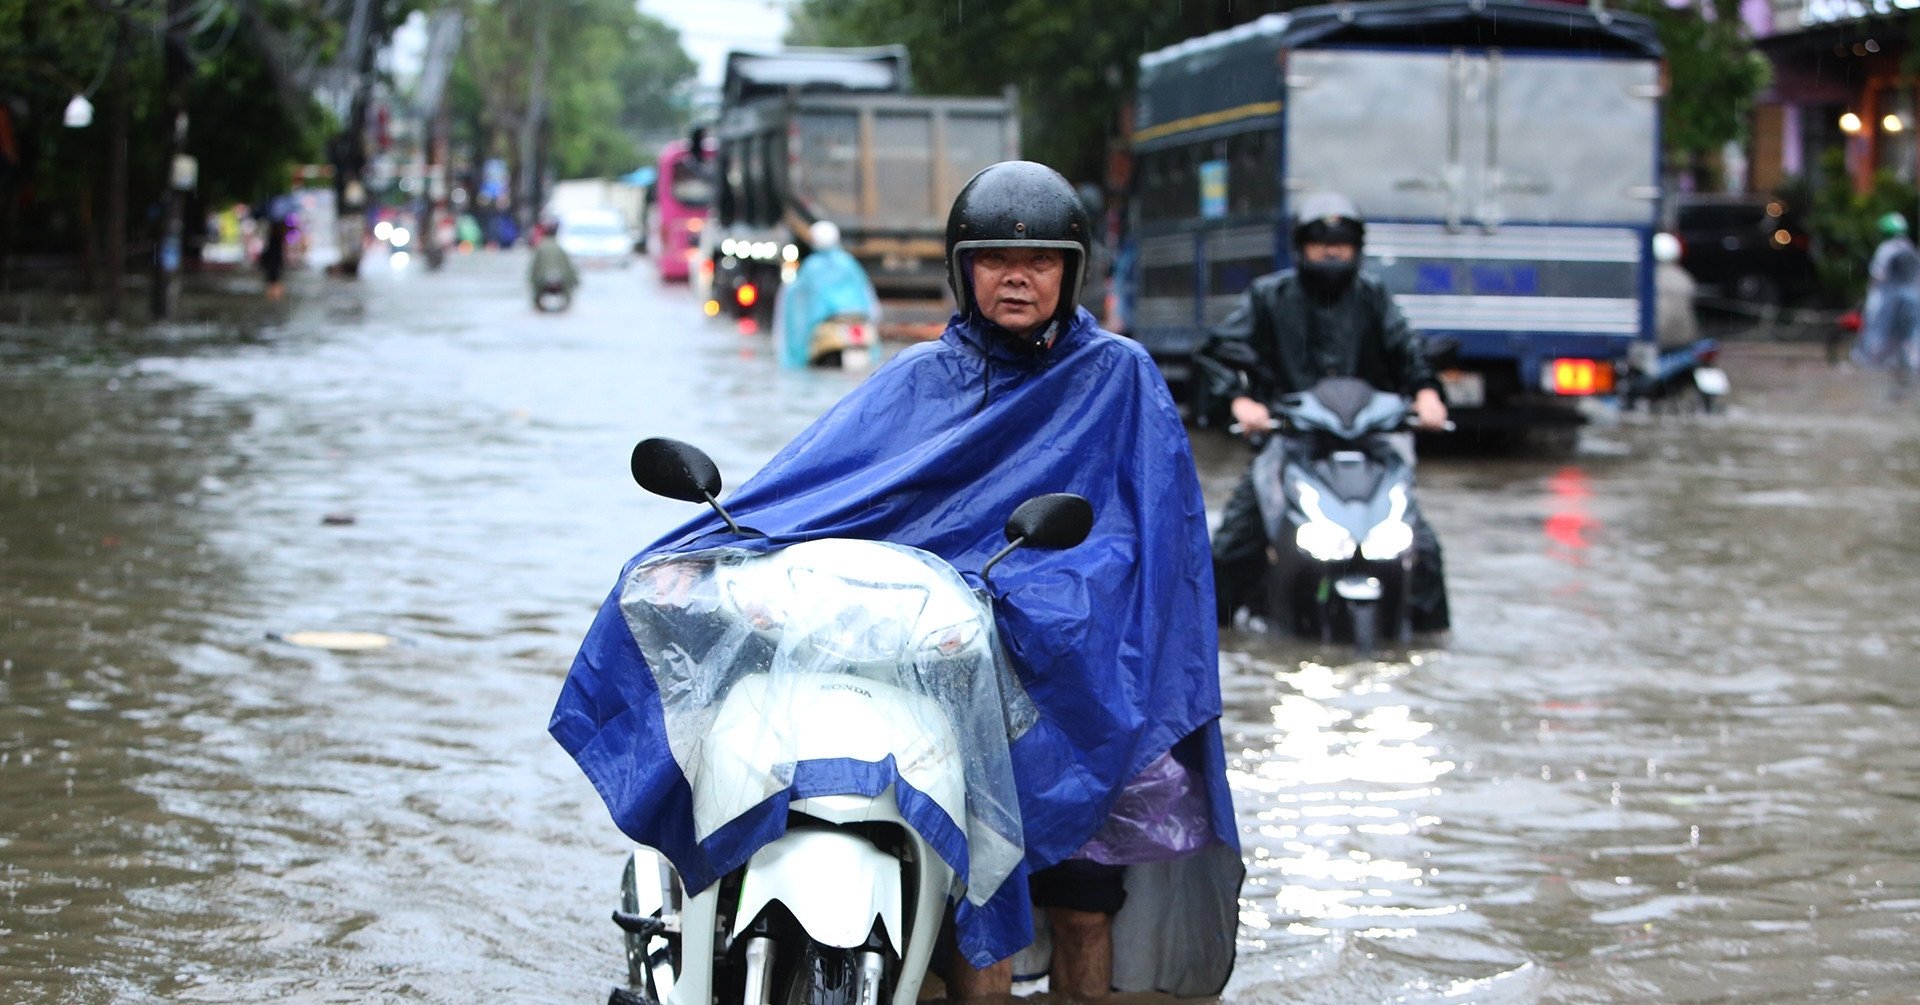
(1667, 755)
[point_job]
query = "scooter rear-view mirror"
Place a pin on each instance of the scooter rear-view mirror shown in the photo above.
(676, 470)
(679, 471)
(1055, 520)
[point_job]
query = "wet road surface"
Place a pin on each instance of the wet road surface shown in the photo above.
(1666, 754)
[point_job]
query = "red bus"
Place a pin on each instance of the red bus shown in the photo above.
(682, 191)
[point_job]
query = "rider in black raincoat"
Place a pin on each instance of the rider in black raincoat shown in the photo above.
(1292, 328)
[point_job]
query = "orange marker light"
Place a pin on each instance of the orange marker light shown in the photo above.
(746, 295)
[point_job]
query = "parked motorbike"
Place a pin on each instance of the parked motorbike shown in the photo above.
(847, 341)
(830, 650)
(551, 297)
(1337, 499)
(1675, 372)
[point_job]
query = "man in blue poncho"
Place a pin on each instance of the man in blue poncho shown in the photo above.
(1129, 828)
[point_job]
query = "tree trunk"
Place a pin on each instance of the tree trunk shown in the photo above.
(528, 193)
(348, 151)
(118, 123)
(169, 230)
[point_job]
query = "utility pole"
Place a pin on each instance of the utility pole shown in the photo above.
(170, 229)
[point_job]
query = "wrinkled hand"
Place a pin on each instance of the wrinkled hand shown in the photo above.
(1429, 412)
(1252, 416)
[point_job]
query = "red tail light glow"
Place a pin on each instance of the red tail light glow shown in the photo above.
(1579, 377)
(746, 295)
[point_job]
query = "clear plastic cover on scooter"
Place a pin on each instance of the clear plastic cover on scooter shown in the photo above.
(840, 651)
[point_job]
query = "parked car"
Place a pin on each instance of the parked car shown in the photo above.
(1745, 247)
(596, 236)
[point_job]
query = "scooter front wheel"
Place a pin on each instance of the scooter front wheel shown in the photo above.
(822, 975)
(1366, 627)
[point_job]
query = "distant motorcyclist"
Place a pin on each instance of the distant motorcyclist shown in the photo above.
(829, 284)
(1673, 292)
(1322, 318)
(552, 273)
(1890, 321)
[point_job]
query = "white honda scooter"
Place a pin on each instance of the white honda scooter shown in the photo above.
(857, 654)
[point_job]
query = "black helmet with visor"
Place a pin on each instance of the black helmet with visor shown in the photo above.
(1327, 218)
(1018, 204)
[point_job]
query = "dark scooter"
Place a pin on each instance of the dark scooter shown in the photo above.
(1677, 371)
(1336, 498)
(552, 297)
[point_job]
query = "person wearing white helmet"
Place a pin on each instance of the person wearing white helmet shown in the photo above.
(1673, 293)
(830, 286)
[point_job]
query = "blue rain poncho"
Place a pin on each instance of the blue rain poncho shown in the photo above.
(1890, 320)
(830, 282)
(1113, 641)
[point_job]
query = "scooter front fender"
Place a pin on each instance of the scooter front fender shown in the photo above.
(834, 881)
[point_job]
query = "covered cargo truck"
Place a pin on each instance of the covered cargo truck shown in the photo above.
(1505, 154)
(833, 134)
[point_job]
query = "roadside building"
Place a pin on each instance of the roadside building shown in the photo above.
(1838, 83)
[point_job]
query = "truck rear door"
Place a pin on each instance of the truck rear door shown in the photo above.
(1512, 192)
(887, 168)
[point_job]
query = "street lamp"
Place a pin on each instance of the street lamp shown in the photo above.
(1850, 124)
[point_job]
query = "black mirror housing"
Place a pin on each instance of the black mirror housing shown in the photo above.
(1056, 520)
(675, 470)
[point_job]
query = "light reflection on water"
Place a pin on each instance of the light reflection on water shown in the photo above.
(1337, 783)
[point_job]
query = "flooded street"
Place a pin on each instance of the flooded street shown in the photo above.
(1666, 754)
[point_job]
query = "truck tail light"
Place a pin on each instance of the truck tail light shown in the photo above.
(1579, 377)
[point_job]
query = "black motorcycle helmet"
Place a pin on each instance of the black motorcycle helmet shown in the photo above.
(1327, 218)
(1019, 204)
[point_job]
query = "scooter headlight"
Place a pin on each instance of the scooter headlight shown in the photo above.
(950, 641)
(855, 636)
(1320, 537)
(755, 598)
(1392, 536)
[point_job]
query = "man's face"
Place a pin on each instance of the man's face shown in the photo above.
(1018, 288)
(1319, 252)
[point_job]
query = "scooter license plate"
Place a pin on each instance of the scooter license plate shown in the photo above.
(1711, 380)
(1463, 389)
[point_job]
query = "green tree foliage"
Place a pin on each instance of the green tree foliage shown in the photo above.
(1074, 63)
(1713, 73)
(612, 76)
(245, 130)
(1846, 223)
